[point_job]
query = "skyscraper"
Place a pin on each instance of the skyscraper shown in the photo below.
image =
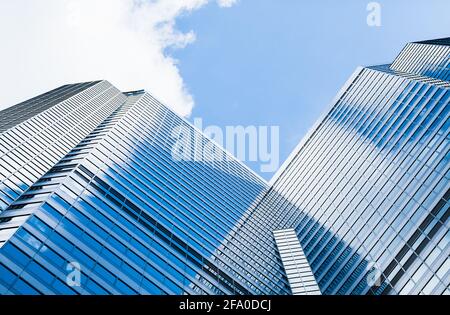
(367, 190)
(110, 192)
(37, 133)
(131, 217)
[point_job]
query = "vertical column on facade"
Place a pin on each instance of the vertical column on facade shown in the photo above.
(299, 273)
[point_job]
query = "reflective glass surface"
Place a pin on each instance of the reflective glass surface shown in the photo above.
(138, 221)
(368, 190)
(92, 200)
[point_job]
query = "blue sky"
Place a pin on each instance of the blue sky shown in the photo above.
(229, 62)
(280, 62)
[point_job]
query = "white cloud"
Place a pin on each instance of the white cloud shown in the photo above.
(49, 43)
(226, 3)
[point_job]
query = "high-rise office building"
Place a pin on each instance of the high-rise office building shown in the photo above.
(367, 190)
(135, 212)
(37, 133)
(110, 192)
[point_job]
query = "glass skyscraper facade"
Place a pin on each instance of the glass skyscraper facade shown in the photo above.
(136, 220)
(367, 190)
(37, 133)
(98, 195)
